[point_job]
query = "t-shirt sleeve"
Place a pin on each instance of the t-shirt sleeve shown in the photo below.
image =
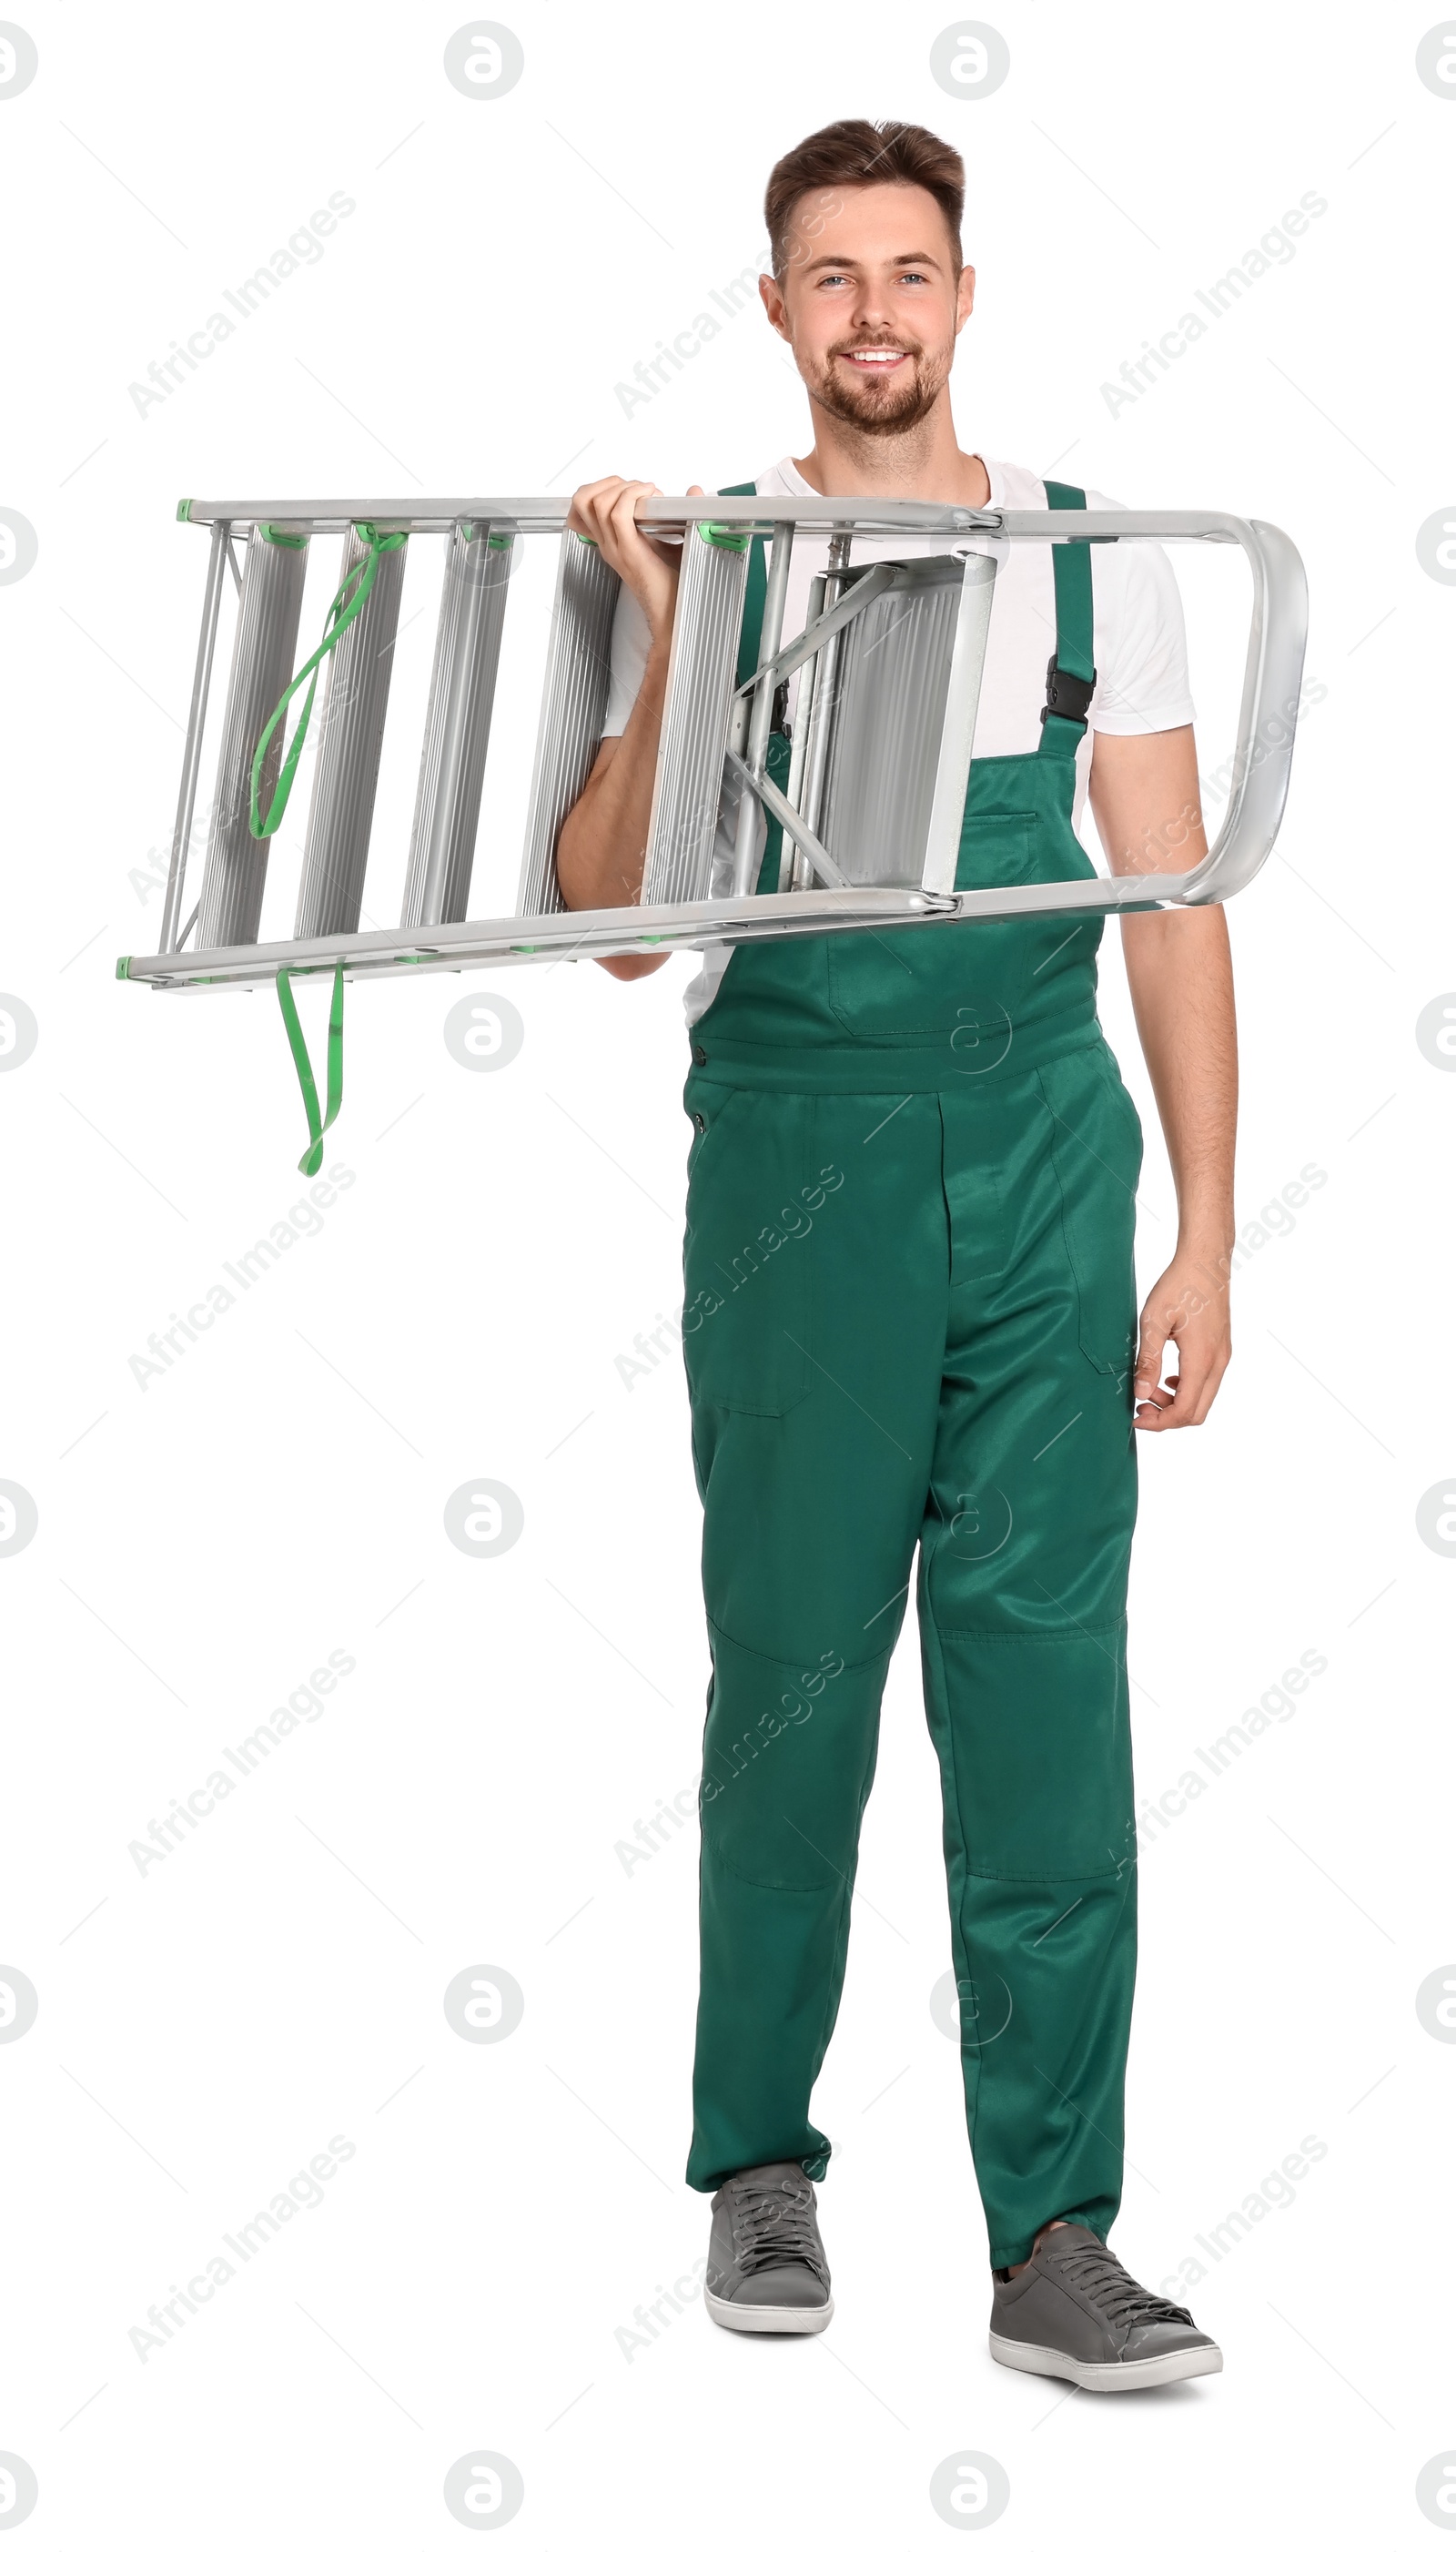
(631, 644)
(1142, 668)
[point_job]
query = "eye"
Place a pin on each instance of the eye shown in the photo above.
(914, 277)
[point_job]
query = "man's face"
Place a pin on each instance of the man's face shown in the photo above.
(871, 302)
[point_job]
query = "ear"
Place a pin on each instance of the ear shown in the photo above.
(770, 293)
(965, 296)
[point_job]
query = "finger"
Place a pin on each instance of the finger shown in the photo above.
(1151, 1343)
(585, 505)
(1201, 1362)
(1152, 1413)
(624, 504)
(1209, 1390)
(622, 535)
(1189, 1408)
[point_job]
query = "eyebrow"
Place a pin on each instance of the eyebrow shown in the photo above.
(845, 264)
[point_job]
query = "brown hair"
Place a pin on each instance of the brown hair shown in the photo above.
(855, 153)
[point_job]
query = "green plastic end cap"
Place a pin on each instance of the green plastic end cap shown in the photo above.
(719, 537)
(123, 969)
(500, 540)
(282, 540)
(586, 540)
(184, 509)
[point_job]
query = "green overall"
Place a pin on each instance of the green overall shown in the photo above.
(909, 1318)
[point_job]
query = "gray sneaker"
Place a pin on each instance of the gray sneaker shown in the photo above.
(1074, 2311)
(766, 2268)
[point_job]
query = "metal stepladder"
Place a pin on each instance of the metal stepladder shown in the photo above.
(888, 669)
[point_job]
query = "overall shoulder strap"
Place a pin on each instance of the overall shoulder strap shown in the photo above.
(750, 632)
(753, 600)
(1071, 674)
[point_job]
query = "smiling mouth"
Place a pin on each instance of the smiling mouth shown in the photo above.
(874, 360)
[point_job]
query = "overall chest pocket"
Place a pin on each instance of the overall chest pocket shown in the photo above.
(929, 980)
(753, 1189)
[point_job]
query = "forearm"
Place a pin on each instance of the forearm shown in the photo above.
(602, 849)
(1145, 796)
(603, 843)
(1181, 979)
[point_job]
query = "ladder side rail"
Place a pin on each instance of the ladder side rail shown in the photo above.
(1264, 745)
(1273, 670)
(219, 551)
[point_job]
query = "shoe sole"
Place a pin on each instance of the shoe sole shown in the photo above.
(1137, 2377)
(769, 2318)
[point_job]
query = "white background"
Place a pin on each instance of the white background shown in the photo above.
(204, 1543)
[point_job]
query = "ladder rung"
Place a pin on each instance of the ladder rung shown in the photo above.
(356, 697)
(472, 602)
(578, 666)
(235, 869)
(702, 677)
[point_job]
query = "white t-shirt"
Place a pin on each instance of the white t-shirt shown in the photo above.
(1138, 644)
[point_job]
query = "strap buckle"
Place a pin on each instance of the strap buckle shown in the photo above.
(1068, 695)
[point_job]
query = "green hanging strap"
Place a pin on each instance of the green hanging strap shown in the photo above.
(346, 606)
(317, 1128)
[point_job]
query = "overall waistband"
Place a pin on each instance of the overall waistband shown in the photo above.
(988, 1056)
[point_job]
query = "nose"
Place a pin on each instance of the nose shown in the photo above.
(872, 313)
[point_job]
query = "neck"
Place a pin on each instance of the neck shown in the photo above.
(924, 462)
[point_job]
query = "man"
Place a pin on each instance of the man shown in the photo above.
(909, 1318)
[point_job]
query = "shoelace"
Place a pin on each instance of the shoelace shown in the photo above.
(1101, 2278)
(772, 2227)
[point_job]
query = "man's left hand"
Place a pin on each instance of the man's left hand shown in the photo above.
(1188, 1307)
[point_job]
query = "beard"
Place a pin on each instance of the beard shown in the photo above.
(872, 405)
